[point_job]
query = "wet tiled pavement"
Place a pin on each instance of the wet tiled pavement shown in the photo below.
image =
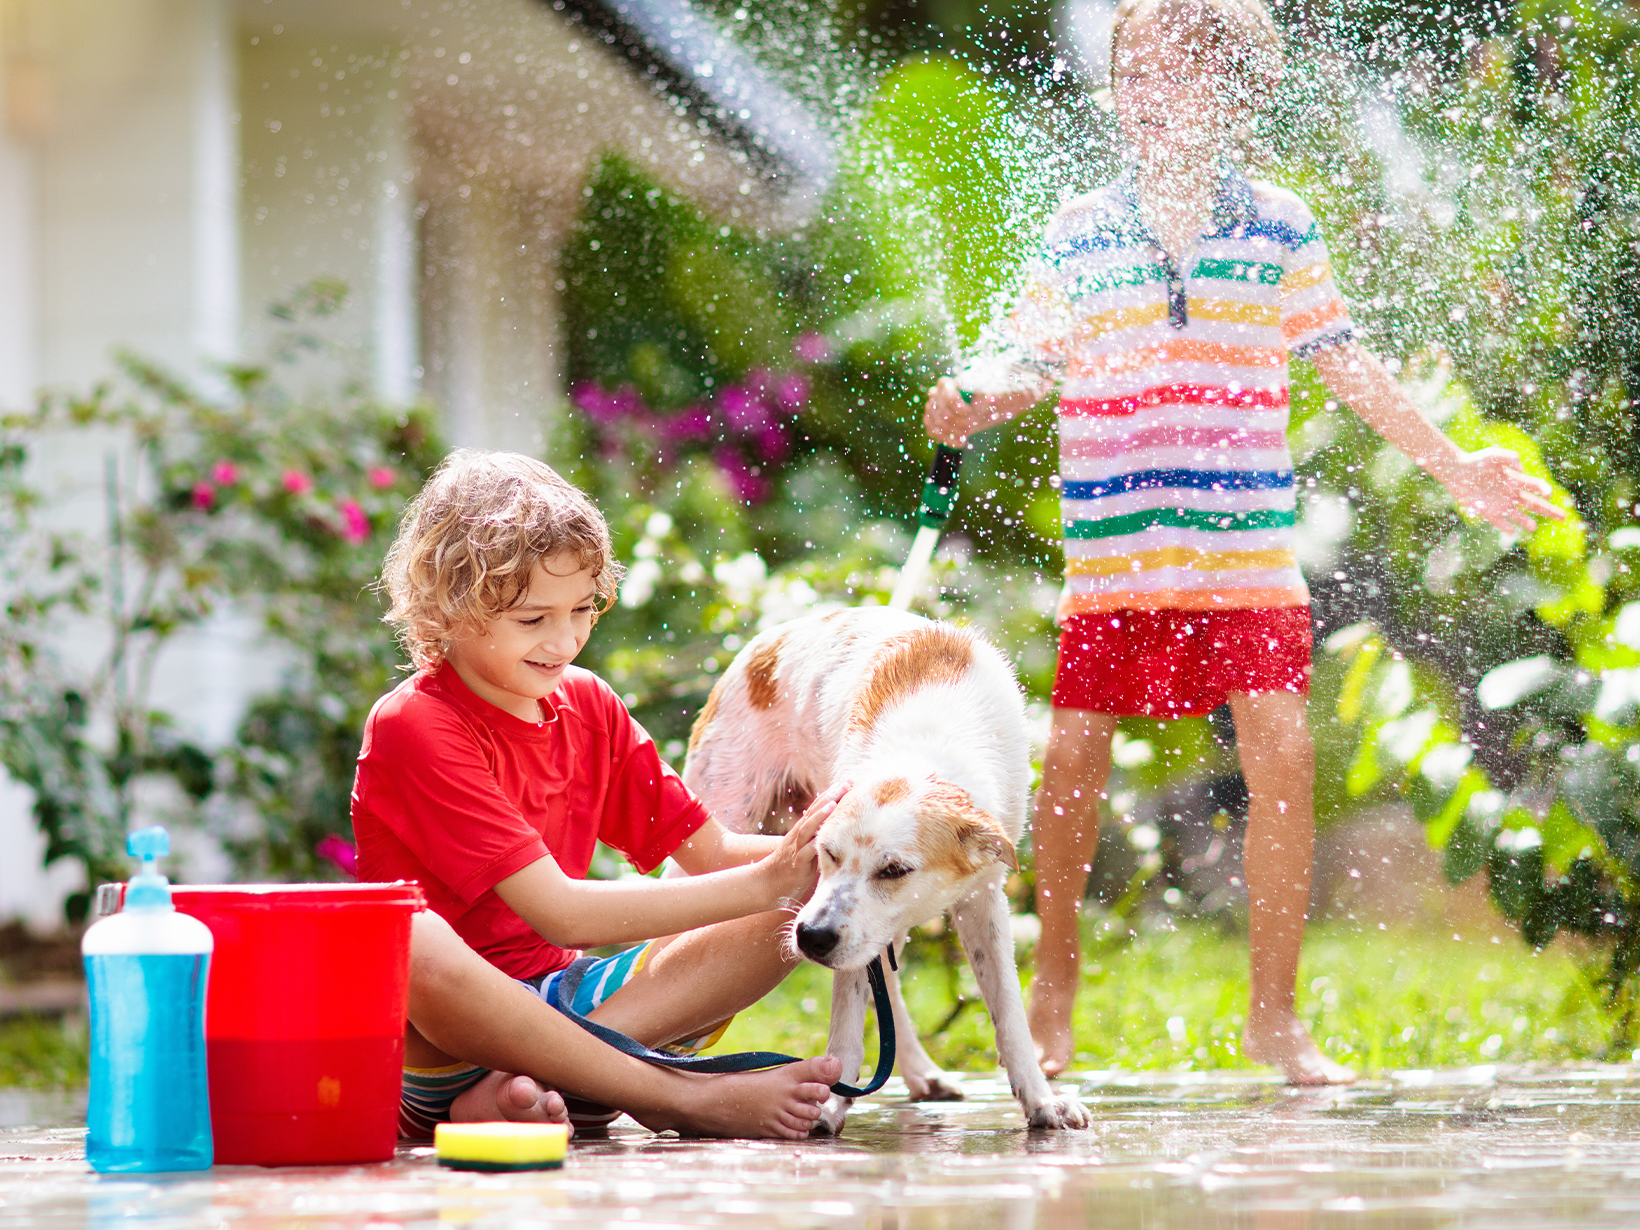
(1481, 1147)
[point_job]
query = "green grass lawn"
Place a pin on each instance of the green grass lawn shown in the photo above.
(1175, 999)
(1165, 999)
(42, 1053)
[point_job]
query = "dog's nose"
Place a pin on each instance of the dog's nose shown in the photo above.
(815, 942)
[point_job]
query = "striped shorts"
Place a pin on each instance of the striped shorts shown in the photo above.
(427, 1093)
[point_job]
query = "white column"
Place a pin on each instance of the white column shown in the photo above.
(396, 323)
(491, 307)
(215, 186)
(17, 289)
(18, 292)
(329, 191)
(135, 181)
(452, 331)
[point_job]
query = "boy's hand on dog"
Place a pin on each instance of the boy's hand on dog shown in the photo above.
(794, 866)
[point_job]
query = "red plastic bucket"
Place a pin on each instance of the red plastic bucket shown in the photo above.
(304, 1018)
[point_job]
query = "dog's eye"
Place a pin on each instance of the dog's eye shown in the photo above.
(829, 855)
(893, 871)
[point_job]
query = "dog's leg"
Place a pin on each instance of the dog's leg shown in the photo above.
(924, 1080)
(982, 924)
(847, 1041)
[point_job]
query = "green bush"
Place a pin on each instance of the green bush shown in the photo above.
(1491, 683)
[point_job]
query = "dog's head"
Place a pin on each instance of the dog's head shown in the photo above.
(896, 853)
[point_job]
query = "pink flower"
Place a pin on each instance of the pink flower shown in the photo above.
(750, 487)
(356, 526)
(338, 851)
(602, 405)
(690, 423)
(743, 408)
(772, 443)
(295, 482)
(812, 348)
(382, 477)
(225, 473)
(792, 392)
(204, 495)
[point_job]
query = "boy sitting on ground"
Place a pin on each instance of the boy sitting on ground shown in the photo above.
(489, 777)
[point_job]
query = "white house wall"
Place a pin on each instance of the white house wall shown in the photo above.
(174, 166)
(329, 191)
(123, 190)
(433, 156)
(138, 220)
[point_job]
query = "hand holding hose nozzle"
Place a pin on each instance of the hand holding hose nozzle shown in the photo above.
(939, 497)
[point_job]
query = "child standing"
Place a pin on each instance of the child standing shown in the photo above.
(489, 777)
(1165, 307)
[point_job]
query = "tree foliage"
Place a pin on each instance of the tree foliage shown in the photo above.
(1492, 682)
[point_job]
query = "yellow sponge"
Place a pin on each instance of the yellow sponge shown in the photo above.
(501, 1146)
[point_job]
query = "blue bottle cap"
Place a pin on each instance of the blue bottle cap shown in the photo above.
(149, 844)
(148, 890)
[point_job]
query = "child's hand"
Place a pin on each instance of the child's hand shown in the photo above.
(950, 419)
(1491, 484)
(794, 865)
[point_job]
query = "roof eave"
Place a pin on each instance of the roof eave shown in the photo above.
(688, 55)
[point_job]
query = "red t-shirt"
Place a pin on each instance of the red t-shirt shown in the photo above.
(459, 794)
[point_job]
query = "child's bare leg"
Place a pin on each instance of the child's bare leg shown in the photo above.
(696, 980)
(1064, 832)
(1278, 760)
(500, 1095)
(463, 1006)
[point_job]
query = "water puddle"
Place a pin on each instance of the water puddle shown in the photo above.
(1480, 1147)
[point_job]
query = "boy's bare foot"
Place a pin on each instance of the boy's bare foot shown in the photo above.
(779, 1102)
(517, 1099)
(1280, 1040)
(1049, 1017)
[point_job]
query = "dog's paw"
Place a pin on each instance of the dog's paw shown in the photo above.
(832, 1115)
(1058, 1113)
(934, 1086)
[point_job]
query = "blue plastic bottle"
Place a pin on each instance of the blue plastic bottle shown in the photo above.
(145, 967)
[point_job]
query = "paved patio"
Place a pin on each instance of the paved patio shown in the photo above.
(1480, 1147)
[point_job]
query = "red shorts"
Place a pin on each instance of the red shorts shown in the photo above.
(1172, 664)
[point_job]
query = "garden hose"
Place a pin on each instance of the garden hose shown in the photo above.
(939, 497)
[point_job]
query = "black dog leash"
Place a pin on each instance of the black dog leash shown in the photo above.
(563, 997)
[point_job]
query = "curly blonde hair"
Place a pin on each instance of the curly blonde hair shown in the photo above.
(472, 537)
(1239, 34)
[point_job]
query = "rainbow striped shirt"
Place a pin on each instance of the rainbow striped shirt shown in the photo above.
(1176, 480)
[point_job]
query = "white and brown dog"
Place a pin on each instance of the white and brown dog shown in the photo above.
(927, 723)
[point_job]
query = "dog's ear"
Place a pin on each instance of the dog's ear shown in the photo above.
(975, 829)
(985, 838)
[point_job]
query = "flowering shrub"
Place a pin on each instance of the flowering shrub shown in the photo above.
(283, 509)
(747, 428)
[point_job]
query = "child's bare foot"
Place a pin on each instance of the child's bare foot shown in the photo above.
(518, 1099)
(1049, 1017)
(780, 1102)
(1280, 1040)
